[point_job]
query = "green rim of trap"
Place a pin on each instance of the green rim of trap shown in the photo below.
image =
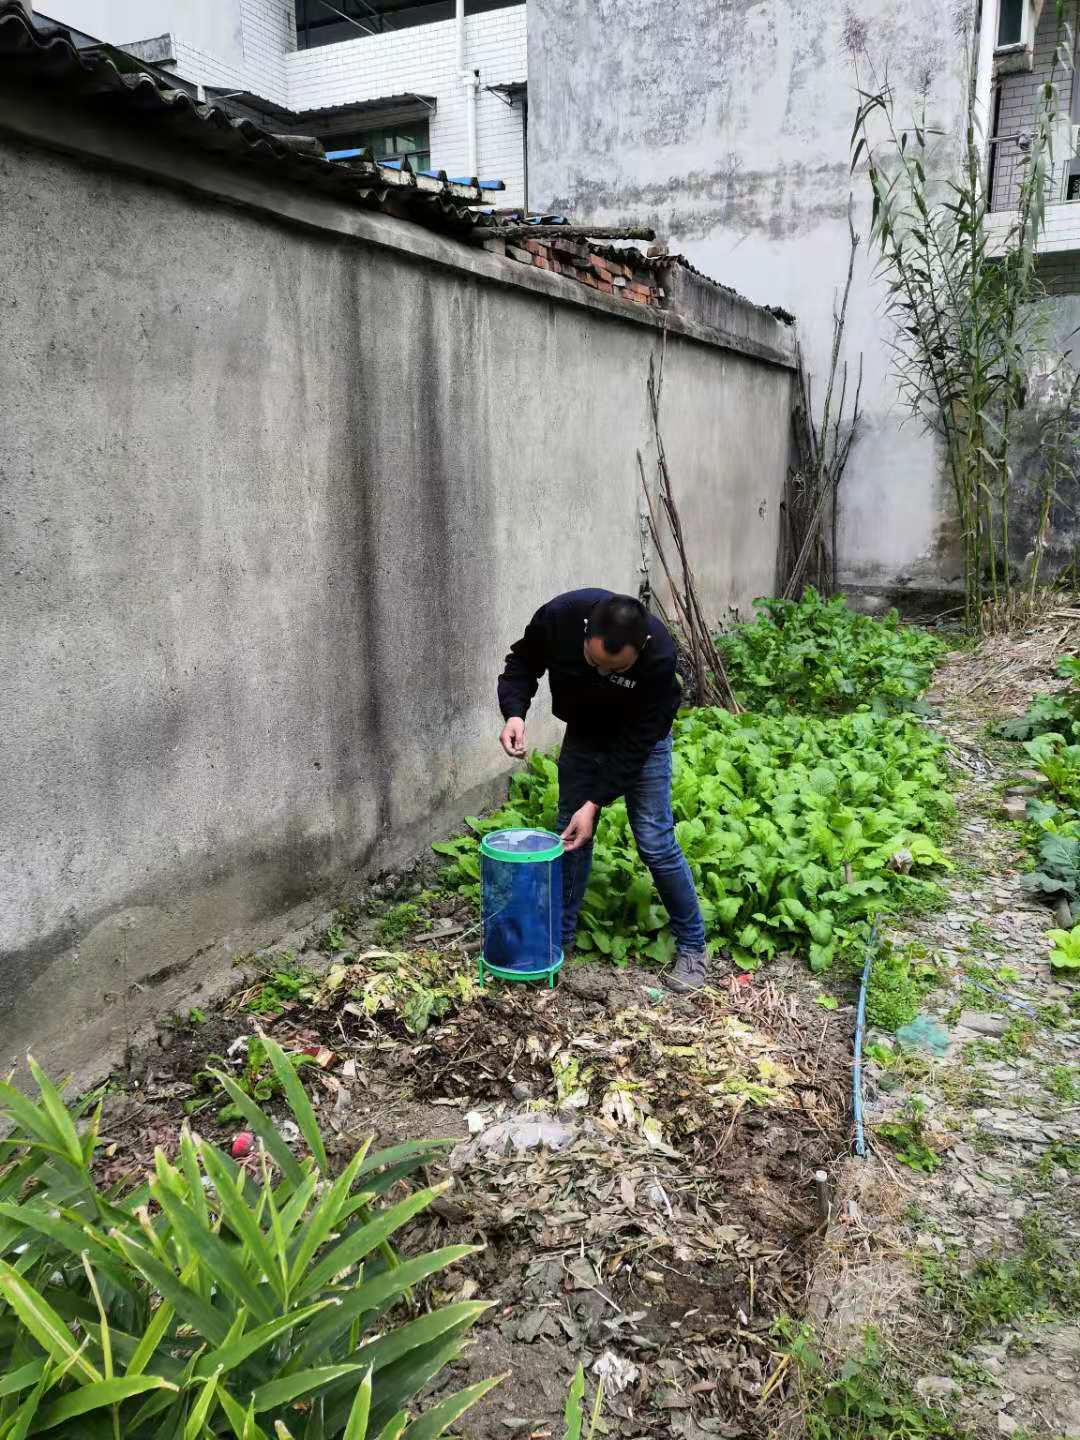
(520, 976)
(521, 857)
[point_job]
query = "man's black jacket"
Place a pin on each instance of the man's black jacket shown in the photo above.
(621, 716)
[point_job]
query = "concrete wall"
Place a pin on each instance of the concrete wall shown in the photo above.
(278, 496)
(727, 126)
(1045, 455)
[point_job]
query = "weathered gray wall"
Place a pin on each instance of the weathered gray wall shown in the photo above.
(1045, 453)
(275, 503)
(726, 124)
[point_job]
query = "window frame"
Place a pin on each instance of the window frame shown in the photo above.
(359, 137)
(1009, 47)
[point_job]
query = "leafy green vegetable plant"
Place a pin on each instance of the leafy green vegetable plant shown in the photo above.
(789, 825)
(214, 1302)
(258, 1079)
(1066, 951)
(1050, 714)
(907, 1136)
(820, 657)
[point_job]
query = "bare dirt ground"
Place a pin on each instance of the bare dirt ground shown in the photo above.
(636, 1168)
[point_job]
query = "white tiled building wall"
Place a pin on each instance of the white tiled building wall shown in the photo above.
(269, 36)
(423, 59)
(1019, 96)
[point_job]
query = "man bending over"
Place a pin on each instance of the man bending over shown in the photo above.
(611, 667)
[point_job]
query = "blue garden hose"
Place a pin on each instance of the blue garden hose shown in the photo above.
(1009, 999)
(860, 1027)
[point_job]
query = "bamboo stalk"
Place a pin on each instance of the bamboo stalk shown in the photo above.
(688, 624)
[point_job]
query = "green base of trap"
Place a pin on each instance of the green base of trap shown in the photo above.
(520, 976)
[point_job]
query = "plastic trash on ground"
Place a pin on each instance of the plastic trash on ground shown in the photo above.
(924, 1033)
(512, 1136)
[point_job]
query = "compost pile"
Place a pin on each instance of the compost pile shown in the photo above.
(638, 1168)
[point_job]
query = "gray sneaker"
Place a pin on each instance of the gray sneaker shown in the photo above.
(689, 972)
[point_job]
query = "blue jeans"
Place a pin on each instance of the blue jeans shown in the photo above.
(648, 804)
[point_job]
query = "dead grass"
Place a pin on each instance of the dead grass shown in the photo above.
(1005, 671)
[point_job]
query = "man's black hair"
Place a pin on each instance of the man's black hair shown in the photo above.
(620, 621)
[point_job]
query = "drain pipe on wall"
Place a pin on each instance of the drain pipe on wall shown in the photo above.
(472, 86)
(471, 81)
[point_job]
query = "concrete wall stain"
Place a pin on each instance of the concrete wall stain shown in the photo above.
(726, 125)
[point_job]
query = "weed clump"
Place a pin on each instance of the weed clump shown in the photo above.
(398, 922)
(1044, 1278)
(863, 1399)
(909, 1139)
(899, 978)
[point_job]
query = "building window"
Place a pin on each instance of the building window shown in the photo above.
(410, 141)
(1011, 22)
(319, 23)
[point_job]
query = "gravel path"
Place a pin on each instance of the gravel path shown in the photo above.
(969, 1270)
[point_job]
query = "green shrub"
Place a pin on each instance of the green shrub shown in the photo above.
(213, 1302)
(819, 657)
(788, 824)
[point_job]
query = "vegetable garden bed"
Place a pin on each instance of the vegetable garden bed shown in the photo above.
(667, 1222)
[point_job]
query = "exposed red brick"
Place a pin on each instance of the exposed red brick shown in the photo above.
(537, 247)
(570, 248)
(541, 262)
(606, 286)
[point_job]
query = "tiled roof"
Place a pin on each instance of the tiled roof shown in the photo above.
(110, 78)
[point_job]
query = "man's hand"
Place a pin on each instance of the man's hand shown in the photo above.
(582, 825)
(512, 738)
